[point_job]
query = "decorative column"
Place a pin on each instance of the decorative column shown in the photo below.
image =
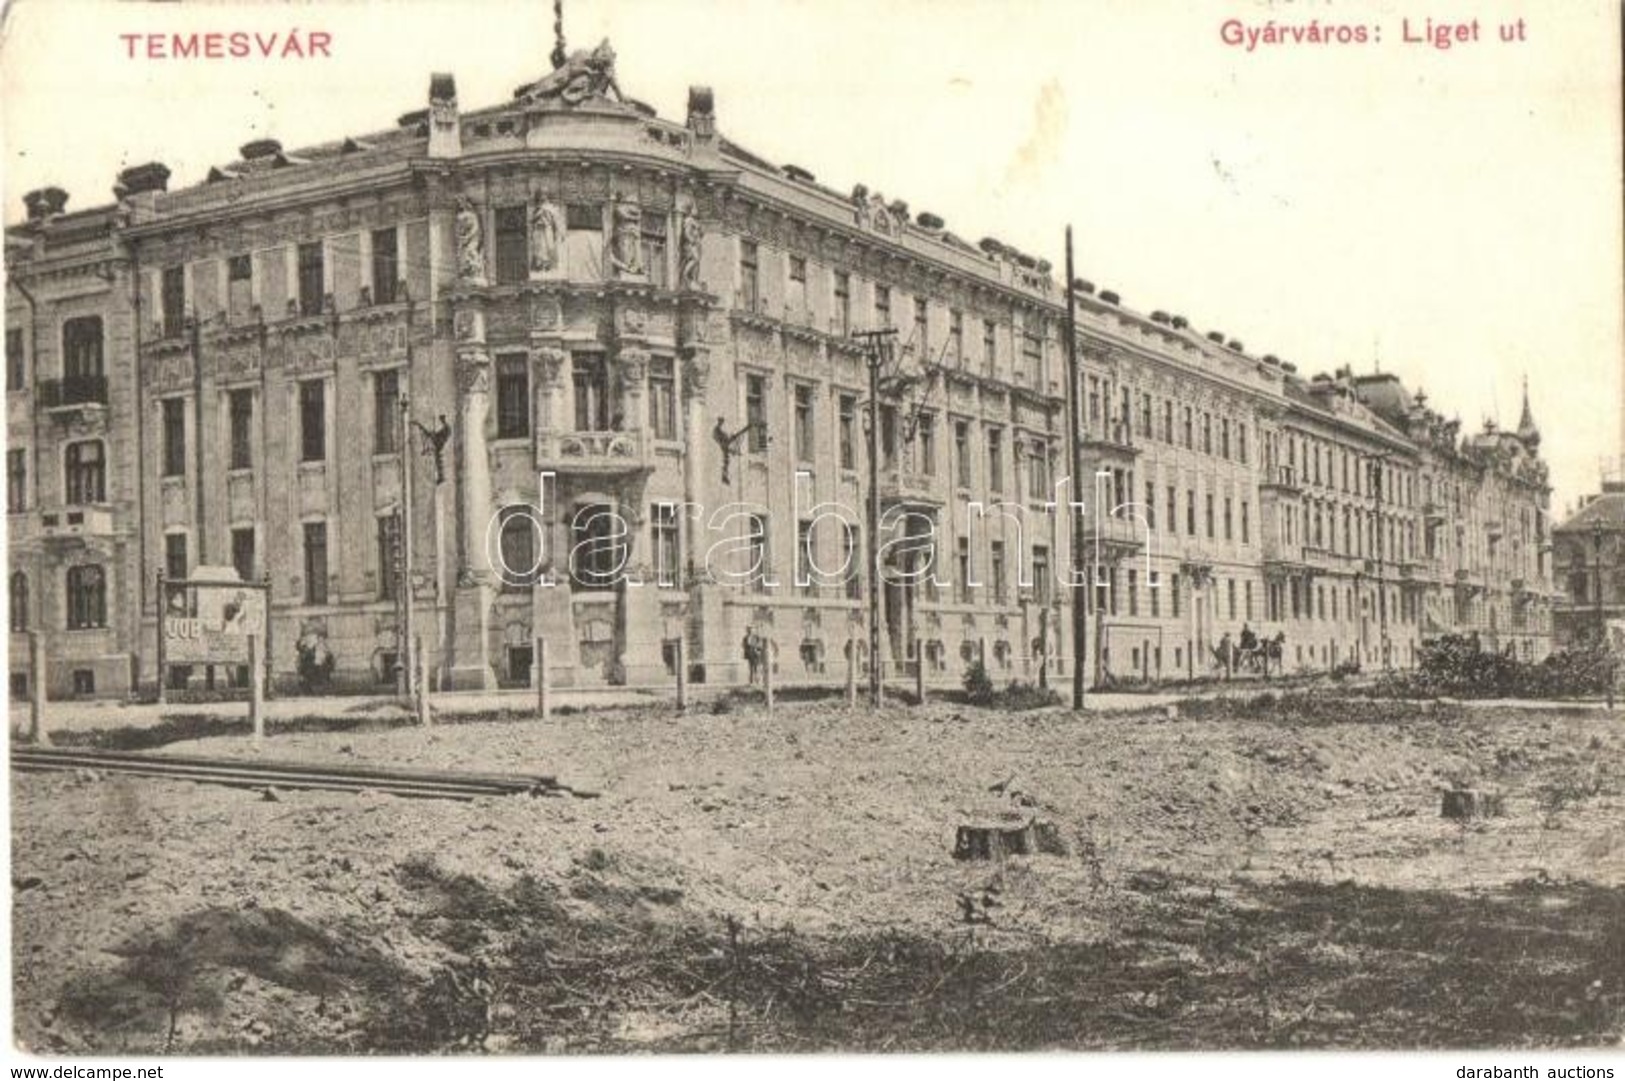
(552, 612)
(475, 585)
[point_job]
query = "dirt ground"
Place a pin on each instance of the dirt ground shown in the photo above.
(1238, 875)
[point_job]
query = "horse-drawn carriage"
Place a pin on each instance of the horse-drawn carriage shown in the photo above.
(1250, 655)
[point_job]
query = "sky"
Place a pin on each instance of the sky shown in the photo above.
(1450, 215)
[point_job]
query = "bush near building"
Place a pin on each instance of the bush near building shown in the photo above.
(1456, 666)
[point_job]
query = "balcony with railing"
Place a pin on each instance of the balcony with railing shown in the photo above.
(73, 392)
(595, 452)
(1112, 440)
(75, 522)
(1283, 479)
(909, 486)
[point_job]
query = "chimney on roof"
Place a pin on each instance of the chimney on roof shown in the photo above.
(260, 148)
(702, 112)
(45, 203)
(140, 179)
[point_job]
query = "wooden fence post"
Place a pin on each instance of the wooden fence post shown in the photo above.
(682, 675)
(919, 671)
(256, 689)
(538, 674)
(36, 688)
(421, 659)
(851, 666)
(767, 671)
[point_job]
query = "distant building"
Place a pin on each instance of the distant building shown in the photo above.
(659, 322)
(1589, 557)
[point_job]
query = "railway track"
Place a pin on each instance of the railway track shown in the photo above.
(335, 777)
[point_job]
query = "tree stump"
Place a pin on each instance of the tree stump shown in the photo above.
(1464, 803)
(998, 840)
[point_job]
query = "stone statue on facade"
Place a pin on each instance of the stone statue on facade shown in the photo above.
(470, 244)
(688, 253)
(546, 228)
(583, 75)
(626, 238)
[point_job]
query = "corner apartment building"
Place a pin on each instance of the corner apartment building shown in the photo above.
(636, 341)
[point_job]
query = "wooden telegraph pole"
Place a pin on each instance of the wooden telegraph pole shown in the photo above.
(879, 348)
(1074, 409)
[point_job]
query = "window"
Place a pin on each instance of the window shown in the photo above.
(756, 560)
(1241, 443)
(805, 556)
(804, 423)
(846, 431)
(390, 555)
(850, 561)
(925, 437)
(1133, 592)
(87, 597)
(667, 544)
(797, 298)
(1248, 589)
(313, 420)
(16, 481)
(882, 306)
(1094, 397)
(956, 337)
(1150, 505)
(176, 561)
(82, 349)
(386, 267)
(315, 562)
(1032, 358)
(1228, 508)
(242, 552)
(19, 602)
(174, 437)
(589, 382)
(1230, 594)
(962, 582)
(750, 283)
(843, 302)
(1209, 507)
(962, 453)
(1189, 443)
(510, 231)
(1145, 415)
(172, 299)
(756, 411)
(1224, 438)
(239, 287)
(518, 548)
(1207, 433)
(1173, 510)
(995, 459)
(1041, 576)
(1190, 512)
(995, 571)
(990, 346)
(598, 546)
(85, 469)
(310, 279)
(513, 397)
(1168, 422)
(654, 250)
(663, 398)
(1037, 470)
(240, 422)
(16, 361)
(888, 437)
(922, 342)
(1246, 527)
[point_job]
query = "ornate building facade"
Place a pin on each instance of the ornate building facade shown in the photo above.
(630, 345)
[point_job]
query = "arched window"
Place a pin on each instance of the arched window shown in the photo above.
(87, 597)
(86, 472)
(519, 547)
(19, 602)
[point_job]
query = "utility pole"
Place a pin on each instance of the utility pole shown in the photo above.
(878, 344)
(1074, 410)
(404, 582)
